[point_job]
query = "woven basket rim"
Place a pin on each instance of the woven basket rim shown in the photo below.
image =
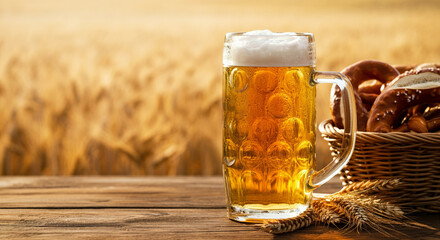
(328, 130)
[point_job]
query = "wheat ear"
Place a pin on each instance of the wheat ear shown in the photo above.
(305, 219)
(370, 186)
(362, 211)
(354, 212)
(327, 213)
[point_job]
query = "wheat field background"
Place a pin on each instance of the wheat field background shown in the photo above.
(134, 87)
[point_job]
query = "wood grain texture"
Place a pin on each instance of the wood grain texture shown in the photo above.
(160, 224)
(129, 192)
(142, 208)
(96, 192)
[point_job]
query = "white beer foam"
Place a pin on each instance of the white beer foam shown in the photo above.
(264, 48)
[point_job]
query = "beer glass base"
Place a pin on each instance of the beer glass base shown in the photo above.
(240, 214)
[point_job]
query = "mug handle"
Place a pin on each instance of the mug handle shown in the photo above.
(317, 178)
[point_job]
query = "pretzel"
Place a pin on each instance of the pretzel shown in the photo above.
(371, 86)
(433, 125)
(412, 88)
(427, 65)
(421, 118)
(405, 68)
(432, 111)
(368, 92)
(359, 73)
(419, 124)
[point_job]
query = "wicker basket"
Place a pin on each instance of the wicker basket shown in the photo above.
(412, 157)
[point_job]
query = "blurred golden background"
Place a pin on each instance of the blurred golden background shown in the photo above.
(134, 87)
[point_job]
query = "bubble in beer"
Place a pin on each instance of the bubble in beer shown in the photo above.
(264, 130)
(265, 81)
(293, 79)
(238, 80)
(293, 129)
(279, 105)
(280, 154)
(250, 153)
(305, 154)
(230, 152)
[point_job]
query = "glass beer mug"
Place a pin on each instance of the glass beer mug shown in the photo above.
(270, 123)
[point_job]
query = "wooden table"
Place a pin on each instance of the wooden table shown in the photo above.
(142, 208)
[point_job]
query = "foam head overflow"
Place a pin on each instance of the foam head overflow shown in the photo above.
(264, 48)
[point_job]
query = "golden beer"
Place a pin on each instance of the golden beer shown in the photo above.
(270, 121)
(269, 138)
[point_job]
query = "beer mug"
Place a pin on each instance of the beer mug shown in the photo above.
(269, 128)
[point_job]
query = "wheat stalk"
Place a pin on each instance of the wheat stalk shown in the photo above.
(326, 212)
(356, 205)
(384, 209)
(352, 210)
(370, 186)
(305, 219)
